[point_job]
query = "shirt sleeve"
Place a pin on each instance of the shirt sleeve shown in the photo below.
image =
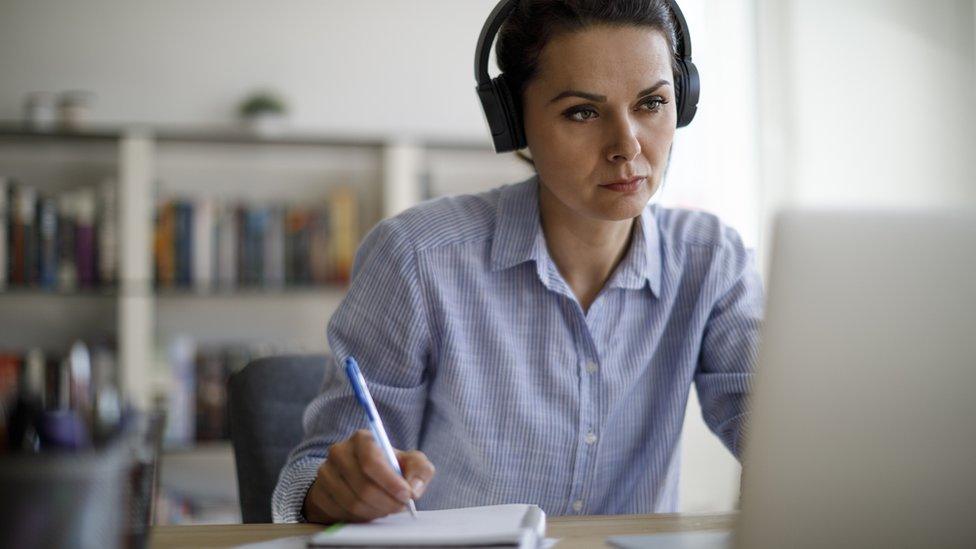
(383, 323)
(730, 342)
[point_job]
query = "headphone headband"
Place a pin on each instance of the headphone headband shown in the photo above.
(487, 37)
(683, 47)
(502, 107)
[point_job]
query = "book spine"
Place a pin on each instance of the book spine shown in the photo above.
(303, 250)
(227, 247)
(47, 220)
(9, 378)
(211, 396)
(166, 254)
(108, 232)
(257, 220)
(243, 252)
(181, 419)
(67, 225)
(344, 210)
(85, 239)
(4, 224)
(274, 249)
(23, 239)
(320, 248)
(203, 245)
(184, 244)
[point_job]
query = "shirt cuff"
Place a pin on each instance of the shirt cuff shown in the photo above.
(293, 485)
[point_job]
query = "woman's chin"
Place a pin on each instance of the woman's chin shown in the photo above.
(622, 207)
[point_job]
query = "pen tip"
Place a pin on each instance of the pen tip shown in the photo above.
(413, 508)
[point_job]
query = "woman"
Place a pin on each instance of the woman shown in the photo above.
(537, 342)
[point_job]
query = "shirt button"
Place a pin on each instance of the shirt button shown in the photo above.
(591, 367)
(578, 505)
(590, 437)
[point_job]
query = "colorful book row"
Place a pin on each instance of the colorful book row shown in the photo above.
(205, 244)
(64, 241)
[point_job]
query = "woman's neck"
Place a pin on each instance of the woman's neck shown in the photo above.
(585, 250)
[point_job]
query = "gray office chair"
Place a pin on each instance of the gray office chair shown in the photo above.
(265, 402)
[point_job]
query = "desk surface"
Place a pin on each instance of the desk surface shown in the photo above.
(573, 532)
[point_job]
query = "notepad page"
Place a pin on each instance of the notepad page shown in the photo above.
(466, 526)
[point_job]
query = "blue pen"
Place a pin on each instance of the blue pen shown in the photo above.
(358, 383)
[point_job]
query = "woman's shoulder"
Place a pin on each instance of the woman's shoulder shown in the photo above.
(446, 220)
(684, 227)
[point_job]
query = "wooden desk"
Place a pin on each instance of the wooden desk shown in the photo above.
(574, 532)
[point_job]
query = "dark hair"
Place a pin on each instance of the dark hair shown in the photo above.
(533, 23)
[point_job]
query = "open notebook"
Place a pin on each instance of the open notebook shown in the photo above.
(494, 525)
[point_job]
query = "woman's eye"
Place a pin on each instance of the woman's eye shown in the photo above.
(654, 104)
(580, 115)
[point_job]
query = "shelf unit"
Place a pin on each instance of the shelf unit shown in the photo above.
(389, 173)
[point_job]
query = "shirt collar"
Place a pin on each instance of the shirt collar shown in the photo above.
(642, 263)
(518, 238)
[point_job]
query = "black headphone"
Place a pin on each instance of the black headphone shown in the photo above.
(503, 109)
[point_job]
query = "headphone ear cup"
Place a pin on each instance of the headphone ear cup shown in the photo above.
(512, 107)
(687, 88)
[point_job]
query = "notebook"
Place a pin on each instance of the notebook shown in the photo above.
(514, 525)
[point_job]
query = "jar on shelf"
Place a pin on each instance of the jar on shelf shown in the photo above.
(39, 111)
(74, 108)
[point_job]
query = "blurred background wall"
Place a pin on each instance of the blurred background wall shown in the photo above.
(828, 102)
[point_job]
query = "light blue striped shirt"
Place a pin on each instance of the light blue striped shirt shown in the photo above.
(477, 353)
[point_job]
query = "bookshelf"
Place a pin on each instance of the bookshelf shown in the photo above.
(149, 164)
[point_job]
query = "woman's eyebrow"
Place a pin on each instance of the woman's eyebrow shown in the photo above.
(602, 98)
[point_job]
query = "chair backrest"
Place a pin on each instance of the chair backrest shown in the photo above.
(265, 404)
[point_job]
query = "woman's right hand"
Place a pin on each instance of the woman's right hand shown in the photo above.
(356, 483)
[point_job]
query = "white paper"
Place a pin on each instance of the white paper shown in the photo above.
(467, 526)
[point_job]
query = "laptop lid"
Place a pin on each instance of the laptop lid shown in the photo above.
(863, 424)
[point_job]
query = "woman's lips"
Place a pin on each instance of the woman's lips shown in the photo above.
(627, 186)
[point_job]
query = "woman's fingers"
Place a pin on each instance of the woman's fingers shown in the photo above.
(355, 509)
(376, 467)
(363, 487)
(417, 469)
(356, 482)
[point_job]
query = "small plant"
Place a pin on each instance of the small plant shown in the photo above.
(262, 103)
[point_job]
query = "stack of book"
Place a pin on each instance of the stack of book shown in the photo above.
(58, 242)
(205, 245)
(194, 391)
(45, 380)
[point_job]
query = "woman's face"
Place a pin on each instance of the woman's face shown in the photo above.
(600, 110)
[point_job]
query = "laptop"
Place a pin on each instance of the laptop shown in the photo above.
(863, 423)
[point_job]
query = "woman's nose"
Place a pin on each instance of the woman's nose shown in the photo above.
(624, 145)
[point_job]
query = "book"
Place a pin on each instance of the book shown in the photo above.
(163, 245)
(47, 257)
(211, 395)
(297, 268)
(344, 216)
(512, 525)
(320, 251)
(274, 249)
(108, 235)
(22, 231)
(85, 261)
(67, 270)
(225, 238)
(4, 220)
(203, 245)
(183, 243)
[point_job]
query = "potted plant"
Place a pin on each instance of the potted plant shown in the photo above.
(264, 112)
